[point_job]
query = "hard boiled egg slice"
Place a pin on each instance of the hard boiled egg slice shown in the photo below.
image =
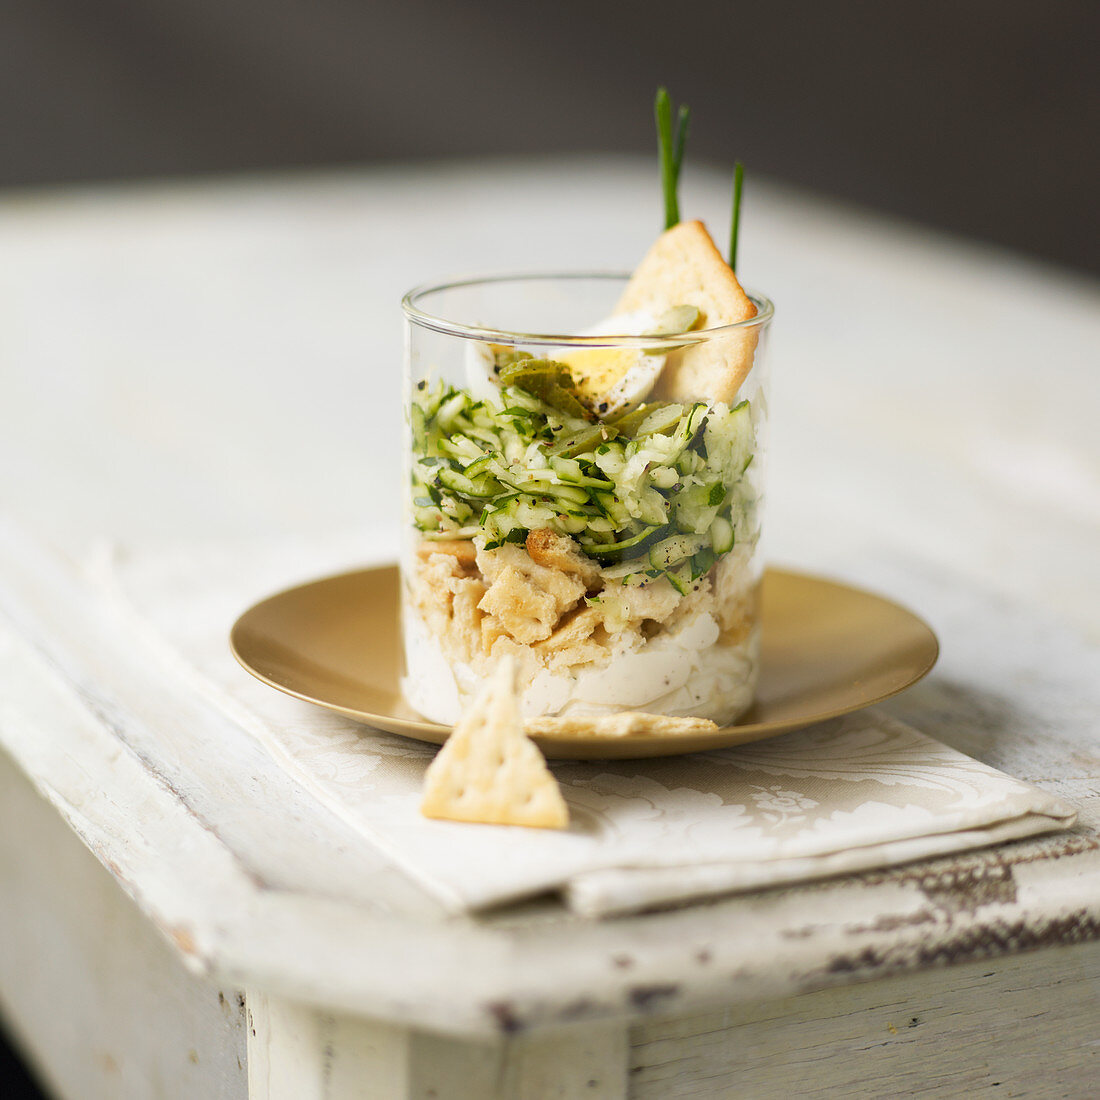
(615, 380)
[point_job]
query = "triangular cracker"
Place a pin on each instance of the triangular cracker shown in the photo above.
(685, 268)
(488, 771)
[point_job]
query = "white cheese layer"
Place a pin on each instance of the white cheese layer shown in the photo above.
(685, 672)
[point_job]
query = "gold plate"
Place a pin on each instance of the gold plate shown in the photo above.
(828, 649)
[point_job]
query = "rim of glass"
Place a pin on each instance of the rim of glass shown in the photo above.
(414, 312)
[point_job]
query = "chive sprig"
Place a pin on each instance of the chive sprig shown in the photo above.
(735, 218)
(671, 140)
(670, 148)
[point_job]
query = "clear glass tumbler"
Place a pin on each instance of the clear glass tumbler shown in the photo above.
(588, 503)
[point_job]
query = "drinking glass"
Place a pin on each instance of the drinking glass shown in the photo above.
(612, 552)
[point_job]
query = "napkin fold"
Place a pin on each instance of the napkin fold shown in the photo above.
(854, 793)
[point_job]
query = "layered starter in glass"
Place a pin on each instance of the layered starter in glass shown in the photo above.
(593, 512)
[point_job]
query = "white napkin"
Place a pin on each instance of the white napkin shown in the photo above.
(865, 791)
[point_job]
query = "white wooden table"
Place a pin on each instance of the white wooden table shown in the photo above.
(221, 361)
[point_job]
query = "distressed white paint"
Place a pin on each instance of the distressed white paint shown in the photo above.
(102, 1005)
(934, 435)
(1008, 1028)
(299, 1053)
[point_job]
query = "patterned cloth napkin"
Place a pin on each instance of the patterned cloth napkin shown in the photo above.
(859, 792)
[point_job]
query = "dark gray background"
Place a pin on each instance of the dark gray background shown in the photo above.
(980, 117)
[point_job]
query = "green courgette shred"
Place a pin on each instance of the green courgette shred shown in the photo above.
(662, 490)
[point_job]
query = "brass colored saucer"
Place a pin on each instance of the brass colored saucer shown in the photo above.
(828, 649)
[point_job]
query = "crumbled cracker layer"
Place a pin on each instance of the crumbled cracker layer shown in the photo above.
(548, 601)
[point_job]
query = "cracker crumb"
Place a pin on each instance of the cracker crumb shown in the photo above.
(624, 724)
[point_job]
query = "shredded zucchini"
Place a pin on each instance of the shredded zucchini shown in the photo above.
(664, 493)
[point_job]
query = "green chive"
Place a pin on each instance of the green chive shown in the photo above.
(682, 118)
(662, 111)
(735, 222)
(670, 151)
